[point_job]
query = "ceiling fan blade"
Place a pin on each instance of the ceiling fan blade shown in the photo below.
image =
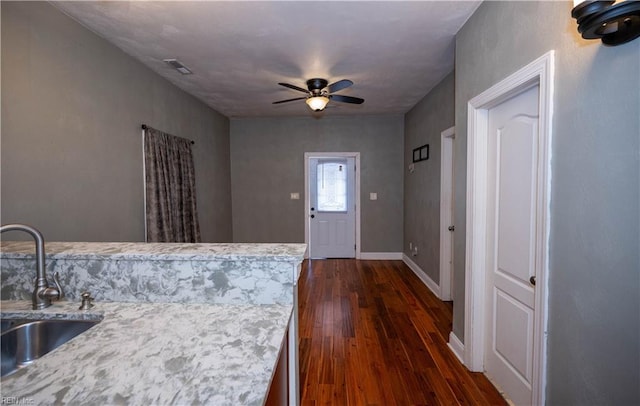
(346, 99)
(339, 85)
(294, 87)
(288, 100)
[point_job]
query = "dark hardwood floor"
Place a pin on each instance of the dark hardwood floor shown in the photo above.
(371, 333)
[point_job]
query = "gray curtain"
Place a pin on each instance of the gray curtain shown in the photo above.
(170, 188)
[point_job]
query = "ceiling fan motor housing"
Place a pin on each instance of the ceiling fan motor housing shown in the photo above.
(316, 85)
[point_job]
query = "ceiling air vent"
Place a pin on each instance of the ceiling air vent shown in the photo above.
(177, 65)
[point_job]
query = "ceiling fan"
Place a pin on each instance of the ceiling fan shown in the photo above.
(319, 92)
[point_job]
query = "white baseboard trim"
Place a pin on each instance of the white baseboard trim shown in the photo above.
(456, 347)
(422, 275)
(381, 255)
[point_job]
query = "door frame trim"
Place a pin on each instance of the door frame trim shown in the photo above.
(539, 72)
(307, 205)
(446, 215)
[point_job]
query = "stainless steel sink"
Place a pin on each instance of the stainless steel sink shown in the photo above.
(24, 341)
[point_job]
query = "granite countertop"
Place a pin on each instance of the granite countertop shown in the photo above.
(155, 353)
(157, 251)
(164, 272)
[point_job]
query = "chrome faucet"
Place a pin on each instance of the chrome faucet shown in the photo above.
(43, 294)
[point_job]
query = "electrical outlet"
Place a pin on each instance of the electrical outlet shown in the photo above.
(415, 250)
(410, 246)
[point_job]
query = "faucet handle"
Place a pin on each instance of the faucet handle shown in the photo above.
(56, 281)
(47, 293)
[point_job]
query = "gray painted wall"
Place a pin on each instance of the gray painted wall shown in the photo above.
(72, 106)
(423, 125)
(594, 285)
(267, 164)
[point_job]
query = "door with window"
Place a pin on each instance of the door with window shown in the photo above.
(332, 225)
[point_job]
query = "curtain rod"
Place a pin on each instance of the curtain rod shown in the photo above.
(144, 127)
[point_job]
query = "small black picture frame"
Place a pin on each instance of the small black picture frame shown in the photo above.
(416, 155)
(421, 153)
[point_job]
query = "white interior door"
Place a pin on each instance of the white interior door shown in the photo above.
(512, 224)
(446, 213)
(332, 225)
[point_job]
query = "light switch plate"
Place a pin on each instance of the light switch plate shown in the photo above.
(373, 196)
(295, 196)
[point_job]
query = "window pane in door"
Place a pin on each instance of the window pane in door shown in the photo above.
(332, 186)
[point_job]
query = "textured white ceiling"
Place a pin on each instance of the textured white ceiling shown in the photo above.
(394, 52)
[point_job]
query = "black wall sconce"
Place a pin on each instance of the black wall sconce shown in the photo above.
(615, 23)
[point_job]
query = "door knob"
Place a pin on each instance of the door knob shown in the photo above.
(532, 280)
(312, 209)
(451, 228)
(313, 216)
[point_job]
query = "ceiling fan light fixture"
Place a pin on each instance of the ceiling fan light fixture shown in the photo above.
(317, 103)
